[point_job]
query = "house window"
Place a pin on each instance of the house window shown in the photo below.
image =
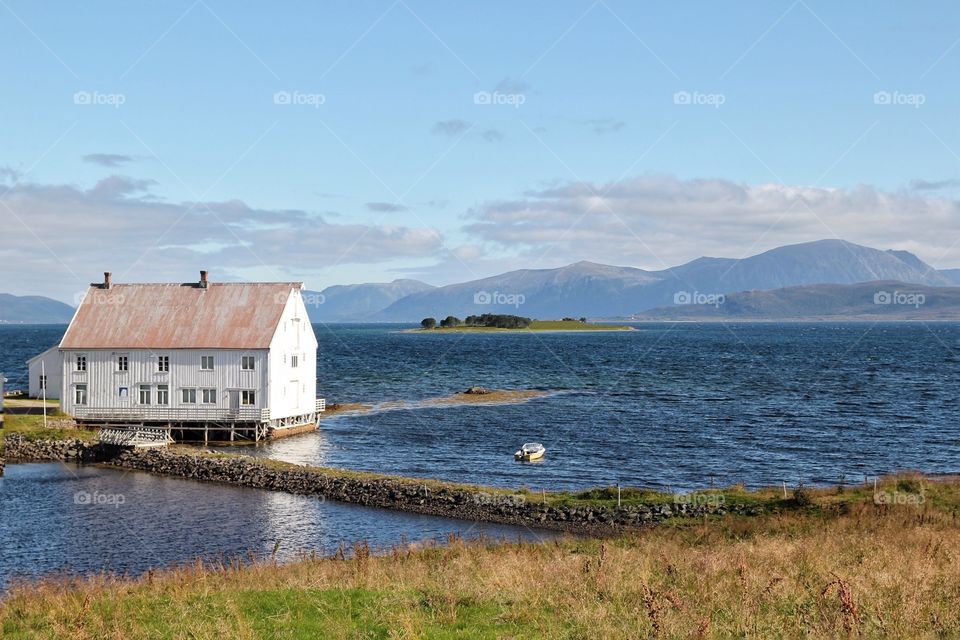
(163, 394)
(43, 383)
(123, 363)
(81, 363)
(206, 363)
(188, 396)
(209, 396)
(248, 397)
(80, 394)
(247, 363)
(145, 394)
(294, 361)
(163, 364)
(124, 392)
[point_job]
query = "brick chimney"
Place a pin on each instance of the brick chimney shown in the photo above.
(107, 280)
(203, 280)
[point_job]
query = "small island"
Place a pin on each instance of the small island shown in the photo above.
(491, 322)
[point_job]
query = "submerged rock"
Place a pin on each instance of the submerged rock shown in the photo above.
(477, 391)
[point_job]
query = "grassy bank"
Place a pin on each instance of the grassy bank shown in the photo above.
(31, 427)
(838, 565)
(536, 325)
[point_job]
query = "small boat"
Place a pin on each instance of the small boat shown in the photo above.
(530, 451)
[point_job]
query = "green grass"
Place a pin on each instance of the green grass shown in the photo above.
(30, 426)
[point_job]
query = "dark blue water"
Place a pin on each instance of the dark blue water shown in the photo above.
(66, 519)
(670, 405)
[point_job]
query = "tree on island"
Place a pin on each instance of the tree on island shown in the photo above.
(498, 321)
(428, 323)
(451, 321)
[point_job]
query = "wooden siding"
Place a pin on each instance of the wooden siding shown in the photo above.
(104, 381)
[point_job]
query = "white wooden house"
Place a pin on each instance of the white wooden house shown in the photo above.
(45, 374)
(202, 359)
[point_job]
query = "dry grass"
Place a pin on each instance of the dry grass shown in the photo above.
(838, 569)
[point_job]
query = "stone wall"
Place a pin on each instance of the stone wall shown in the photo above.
(401, 494)
(407, 495)
(19, 449)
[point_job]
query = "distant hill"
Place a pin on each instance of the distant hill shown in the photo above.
(358, 302)
(33, 310)
(953, 275)
(595, 290)
(880, 300)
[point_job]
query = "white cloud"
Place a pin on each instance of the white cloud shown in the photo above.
(57, 238)
(658, 221)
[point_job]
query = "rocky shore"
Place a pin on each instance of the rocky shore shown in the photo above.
(401, 494)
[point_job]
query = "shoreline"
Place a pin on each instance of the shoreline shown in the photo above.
(590, 512)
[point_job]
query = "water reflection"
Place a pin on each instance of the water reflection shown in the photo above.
(72, 519)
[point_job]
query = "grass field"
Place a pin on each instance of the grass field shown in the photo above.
(838, 565)
(30, 426)
(536, 325)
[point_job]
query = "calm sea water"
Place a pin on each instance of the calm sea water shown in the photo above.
(674, 406)
(66, 519)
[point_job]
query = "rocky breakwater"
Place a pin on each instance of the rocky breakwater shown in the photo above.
(17, 448)
(426, 497)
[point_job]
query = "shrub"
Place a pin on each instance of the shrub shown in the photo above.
(801, 496)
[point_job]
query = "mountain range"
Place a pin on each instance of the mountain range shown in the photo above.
(594, 290)
(866, 301)
(33, 310)
(602, 291)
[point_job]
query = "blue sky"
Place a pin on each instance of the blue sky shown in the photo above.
(154, 139)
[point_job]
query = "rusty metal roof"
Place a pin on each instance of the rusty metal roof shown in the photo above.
(179, 316)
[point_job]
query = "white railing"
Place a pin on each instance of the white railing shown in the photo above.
(321, 405)
(135, 437)
(172, 414)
